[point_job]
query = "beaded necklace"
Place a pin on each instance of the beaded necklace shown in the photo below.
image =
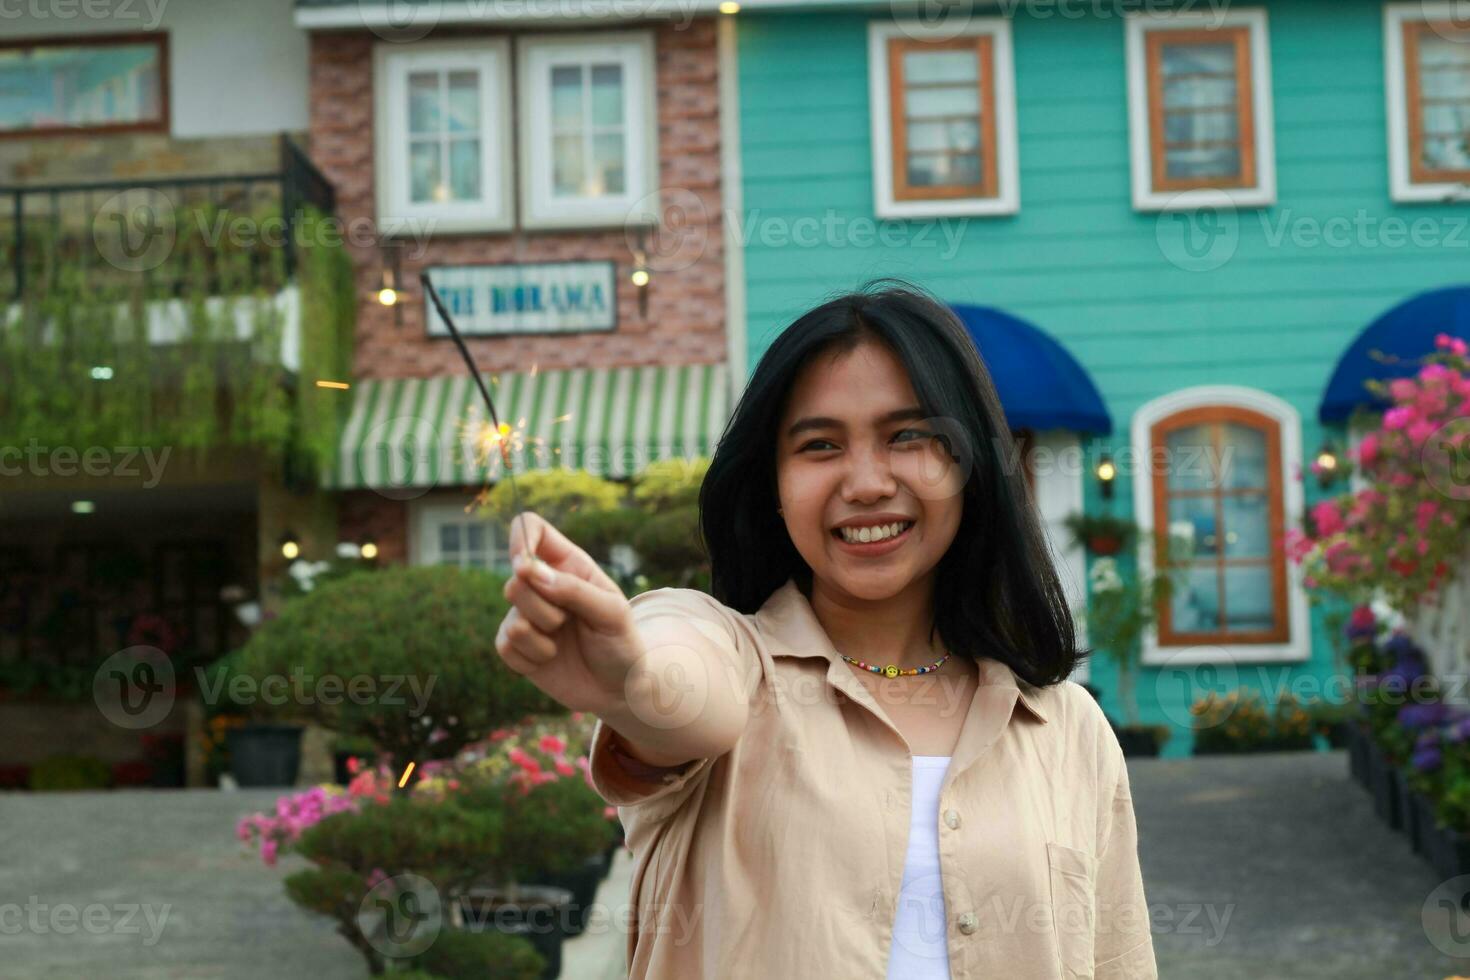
(892, 670)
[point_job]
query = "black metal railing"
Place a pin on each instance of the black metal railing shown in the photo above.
(235, 230)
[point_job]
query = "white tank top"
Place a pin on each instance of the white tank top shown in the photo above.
(920, 949)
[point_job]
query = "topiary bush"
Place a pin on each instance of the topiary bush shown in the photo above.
(554, 494)
(404, 656)
(480, 956)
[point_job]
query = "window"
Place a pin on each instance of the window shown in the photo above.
(1199, 101)
(590, 152)
(1215, 484)
(944, 119)
(1428, 86)
(116, 83)
(442, 152)
(445, 534)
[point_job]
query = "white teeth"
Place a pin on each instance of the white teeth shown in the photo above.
(869, 534)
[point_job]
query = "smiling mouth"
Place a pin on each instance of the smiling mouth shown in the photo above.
(872, 535)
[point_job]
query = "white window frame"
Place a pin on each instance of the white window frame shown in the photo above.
(1402, 186)
(1057, 487)
(1299, 647)
(1145, 198)
(392, 64)
(1007, 199)
(430, 512)
(638, 204)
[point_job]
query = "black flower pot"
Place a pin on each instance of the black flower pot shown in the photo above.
(582, 882)
(1357, 746)
(1406, 800)
(265, 755)
(1448, 851)
(1339, 735)
(538, 912)
(1383, 786)
(1425, 827)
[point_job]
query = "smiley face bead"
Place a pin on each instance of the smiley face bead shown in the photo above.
(891, 670)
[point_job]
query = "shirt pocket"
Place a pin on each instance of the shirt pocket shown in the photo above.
(1072, 899)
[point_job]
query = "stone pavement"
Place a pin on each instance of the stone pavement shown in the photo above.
(1266, 867)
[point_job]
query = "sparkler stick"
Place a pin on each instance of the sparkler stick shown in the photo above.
(502, 431)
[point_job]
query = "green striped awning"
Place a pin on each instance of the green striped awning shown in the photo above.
(425, 432)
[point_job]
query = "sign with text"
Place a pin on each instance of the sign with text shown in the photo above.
(549, 297)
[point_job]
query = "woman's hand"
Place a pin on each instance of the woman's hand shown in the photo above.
(570, 628)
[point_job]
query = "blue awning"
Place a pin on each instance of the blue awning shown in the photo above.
(1041, 386)
(1391, 347)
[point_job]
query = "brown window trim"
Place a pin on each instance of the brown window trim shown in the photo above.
(1245, 111)
(984, 47)
(163, 124)
(1220, 414)
(1414, 105)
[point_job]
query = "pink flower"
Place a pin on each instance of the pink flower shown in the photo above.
(1398, 417)
(1326, 518)
(552, 745)
(1403, 390)
(609, 811)
(1368, 450)
(1454, 345)
(565, 768)
(520, 758)
(268, 851)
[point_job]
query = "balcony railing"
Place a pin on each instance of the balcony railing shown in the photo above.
(230, 232)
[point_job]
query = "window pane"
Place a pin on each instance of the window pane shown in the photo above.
(962, 134)
(607, 165)
(959, 100)
(1192, 522)
(1189, 458)
(464, 102)
(464, 169)
(921, 67)
(1199, 92)
(49, 86)
(936, 169)
(1248, 598)
(1447, 153)
(566, 98)
(1194, 59)
(476, 537)
(1195, 604)
(423, 102)
(425, 177)
(1247, 526)
(1243, 461)
(449, 538)
(1203, 162)
(607, 95)
(567, 164)
(1201, 127)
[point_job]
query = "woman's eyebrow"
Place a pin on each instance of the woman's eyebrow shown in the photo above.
(822, 422)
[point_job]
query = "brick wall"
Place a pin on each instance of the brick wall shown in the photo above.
(685, 319)
(366, 514)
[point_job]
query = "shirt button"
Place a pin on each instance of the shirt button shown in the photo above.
(952, 819)
(967, 922)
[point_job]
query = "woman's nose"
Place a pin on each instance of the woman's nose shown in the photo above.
(870, 476)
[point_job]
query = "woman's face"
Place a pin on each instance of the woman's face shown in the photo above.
(861, 456)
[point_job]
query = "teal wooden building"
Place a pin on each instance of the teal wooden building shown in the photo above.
(1215, 212)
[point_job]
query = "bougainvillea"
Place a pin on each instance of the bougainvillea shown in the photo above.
(1403, 533)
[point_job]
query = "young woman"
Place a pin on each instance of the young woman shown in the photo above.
(861, 757)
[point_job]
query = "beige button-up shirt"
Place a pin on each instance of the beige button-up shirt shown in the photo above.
(783, 859)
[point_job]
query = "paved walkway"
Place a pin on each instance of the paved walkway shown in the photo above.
(1258, 868)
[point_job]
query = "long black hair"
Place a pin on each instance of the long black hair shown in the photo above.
(996, 592)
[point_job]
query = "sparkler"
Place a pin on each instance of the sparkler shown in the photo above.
(502, 430)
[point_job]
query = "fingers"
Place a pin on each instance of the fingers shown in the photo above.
(532, 534)
(523, 647)
(544, 615)
(604, 610)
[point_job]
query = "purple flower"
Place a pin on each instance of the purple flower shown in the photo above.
(1458, 732)
(1417, 716)
(1427, 759)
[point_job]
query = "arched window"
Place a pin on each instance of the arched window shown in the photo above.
(1217, 483)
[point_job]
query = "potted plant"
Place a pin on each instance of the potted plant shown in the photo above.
(1102, 534)
(1120, 608)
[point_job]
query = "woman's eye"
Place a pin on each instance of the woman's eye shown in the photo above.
(814, 442)
(913, 432)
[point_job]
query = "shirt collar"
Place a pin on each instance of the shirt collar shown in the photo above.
(789, 623)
